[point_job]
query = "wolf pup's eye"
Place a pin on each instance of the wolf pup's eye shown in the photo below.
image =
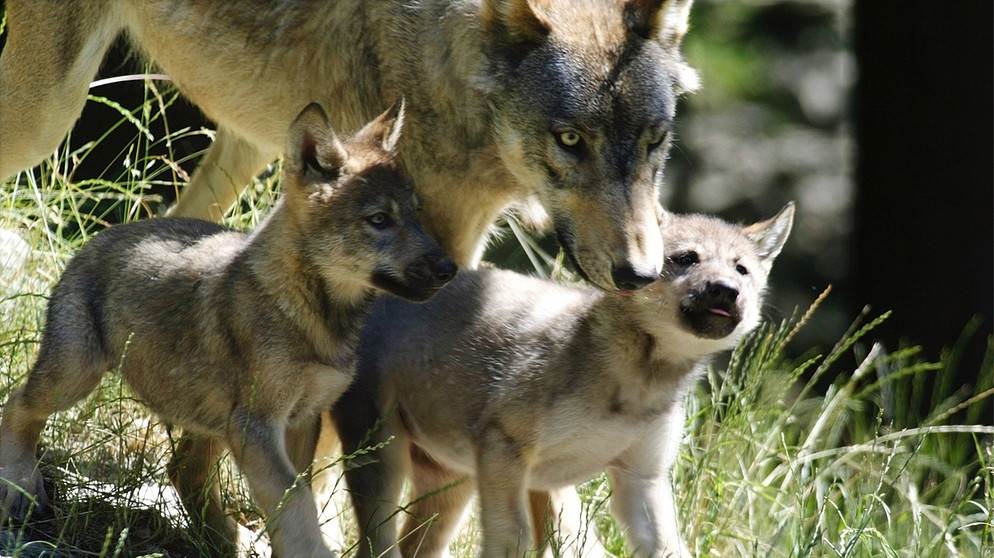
(686, 259)
(379, 220)
(741, 269)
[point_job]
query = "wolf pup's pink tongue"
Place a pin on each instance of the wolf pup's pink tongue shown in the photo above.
(719, 312)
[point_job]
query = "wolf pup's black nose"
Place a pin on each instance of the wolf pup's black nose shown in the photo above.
(720, 294)
(626, 278)
(443, 270)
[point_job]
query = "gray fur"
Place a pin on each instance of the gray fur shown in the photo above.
(508, 383)
(236, 337)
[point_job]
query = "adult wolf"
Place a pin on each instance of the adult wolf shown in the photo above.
(567, 102)
(506, 383)
(235, 337)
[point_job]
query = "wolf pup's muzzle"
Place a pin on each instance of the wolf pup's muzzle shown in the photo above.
(712, 311)
(419, 281)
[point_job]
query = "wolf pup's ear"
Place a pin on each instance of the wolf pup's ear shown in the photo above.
(665, 21)
(313, 150)
(664, 218)
(514, 22)
(384, 130)
(770, 235)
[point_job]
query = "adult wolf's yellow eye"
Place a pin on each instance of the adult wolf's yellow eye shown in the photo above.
(569, 139)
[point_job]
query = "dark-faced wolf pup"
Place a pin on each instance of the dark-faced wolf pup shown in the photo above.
(506, 383)
(566, 102)
(235, 337)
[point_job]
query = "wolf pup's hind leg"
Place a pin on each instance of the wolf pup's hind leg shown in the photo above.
(436, 516)
(69, 367)
(192, 472)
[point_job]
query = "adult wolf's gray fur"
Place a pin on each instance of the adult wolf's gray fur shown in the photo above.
(567, 102)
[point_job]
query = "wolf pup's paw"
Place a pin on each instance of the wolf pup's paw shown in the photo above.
(22, 490)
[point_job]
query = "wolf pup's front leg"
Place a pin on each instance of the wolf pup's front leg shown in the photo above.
(642, 492)
(503, 488)
(258, 447)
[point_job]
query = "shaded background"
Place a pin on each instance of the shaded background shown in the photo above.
(876, 117)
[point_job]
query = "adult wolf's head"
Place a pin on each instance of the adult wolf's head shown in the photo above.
(583, 94)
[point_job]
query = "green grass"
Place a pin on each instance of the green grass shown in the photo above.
(773, 468)
(771, 465)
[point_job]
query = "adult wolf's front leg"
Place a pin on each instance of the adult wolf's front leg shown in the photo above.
(53, 50)
(229, 166)
(561, 525)
(441, 499)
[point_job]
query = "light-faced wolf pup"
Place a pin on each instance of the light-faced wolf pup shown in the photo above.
(235, 337)
(507, 383)
(566, 102)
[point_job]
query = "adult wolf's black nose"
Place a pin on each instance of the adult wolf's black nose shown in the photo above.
(721, 295)
(627, 278)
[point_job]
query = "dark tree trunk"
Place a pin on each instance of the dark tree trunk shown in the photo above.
(925, 204)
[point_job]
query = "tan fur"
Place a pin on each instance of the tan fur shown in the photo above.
(235, 337)
(492, 85)
(508, 383)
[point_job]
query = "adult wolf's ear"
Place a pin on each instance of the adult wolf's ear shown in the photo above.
(384, 130)
(665, 21)
(514, 22)
(771, 235)
(313, 150)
